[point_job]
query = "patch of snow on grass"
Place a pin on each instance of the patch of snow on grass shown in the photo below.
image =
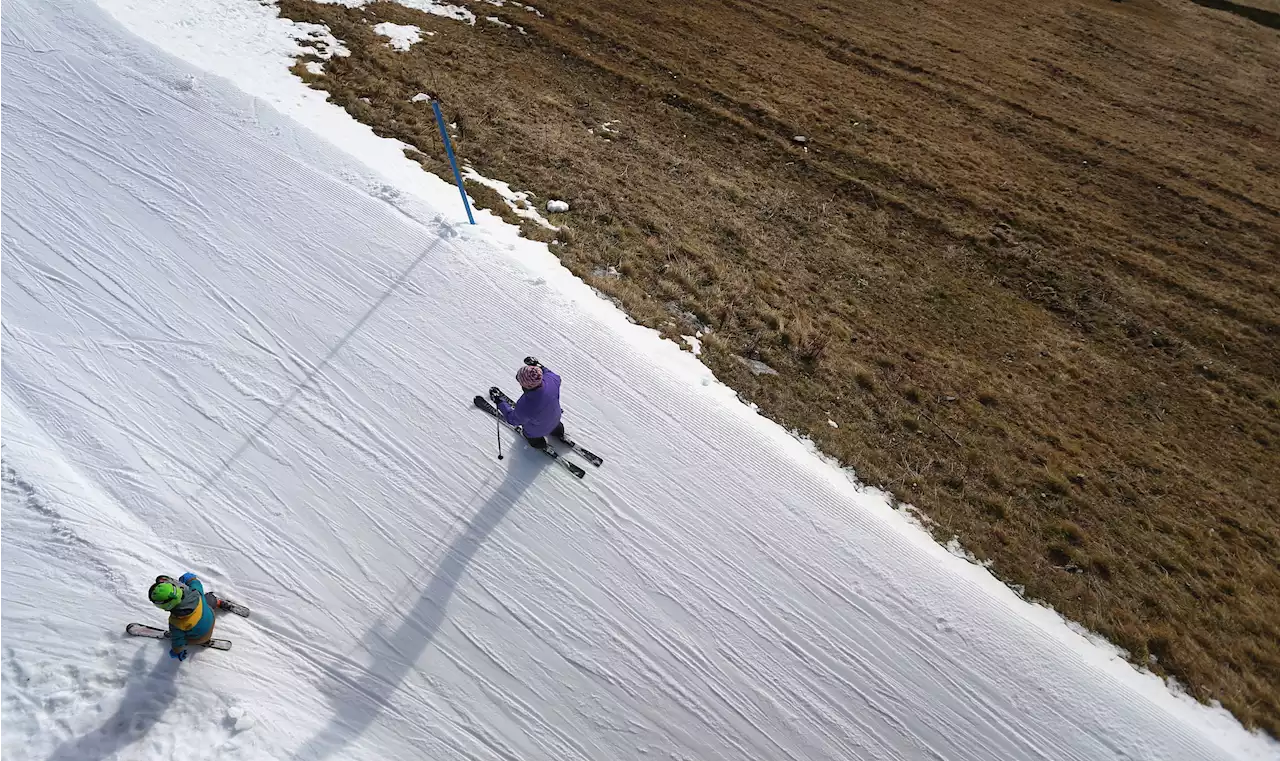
(421, 97)
(832, 423)
(455, 12)
(315, 67)
(695, 345)
(517, 200)
(955, 548)
(557, 207)
(501, 23)
(606, 131)
(318, 40)
(399, 36)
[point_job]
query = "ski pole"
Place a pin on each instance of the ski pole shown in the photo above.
(498, 427)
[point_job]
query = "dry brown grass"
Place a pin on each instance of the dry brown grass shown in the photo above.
(1027, 260)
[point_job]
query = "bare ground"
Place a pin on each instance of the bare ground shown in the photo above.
(1026, 257)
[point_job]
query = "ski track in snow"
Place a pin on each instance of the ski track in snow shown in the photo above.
(227, 351)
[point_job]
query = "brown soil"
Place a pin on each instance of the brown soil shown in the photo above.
(1026, 258)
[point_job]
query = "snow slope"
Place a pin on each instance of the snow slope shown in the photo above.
(230, 347)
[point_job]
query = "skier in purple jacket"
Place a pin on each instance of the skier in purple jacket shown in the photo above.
(537, 412)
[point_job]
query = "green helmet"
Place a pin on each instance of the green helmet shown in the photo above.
(165, 593)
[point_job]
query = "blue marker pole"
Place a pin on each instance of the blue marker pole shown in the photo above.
(448, 149)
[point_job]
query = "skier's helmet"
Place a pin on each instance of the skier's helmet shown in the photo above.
(529, 377)
(165, 594)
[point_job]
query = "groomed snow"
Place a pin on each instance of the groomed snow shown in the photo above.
(241, 334)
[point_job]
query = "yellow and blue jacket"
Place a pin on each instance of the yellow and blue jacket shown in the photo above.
(191, 622)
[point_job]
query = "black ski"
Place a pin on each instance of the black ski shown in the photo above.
(222, 603)
(142, 630)
(585, 453)
(488, 407)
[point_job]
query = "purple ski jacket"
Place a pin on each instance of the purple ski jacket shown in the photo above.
(537, 411)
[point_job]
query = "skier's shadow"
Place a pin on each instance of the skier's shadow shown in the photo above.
(358, 701)
(147, 696)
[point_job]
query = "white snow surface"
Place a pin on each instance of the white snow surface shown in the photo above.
(399, 36)
(241, 337)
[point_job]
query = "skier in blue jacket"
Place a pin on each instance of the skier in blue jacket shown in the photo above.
(190, 611)
(537, 412)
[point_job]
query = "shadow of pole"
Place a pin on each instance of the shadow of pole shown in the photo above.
(145, 701)
(253, 436)
(357, 702)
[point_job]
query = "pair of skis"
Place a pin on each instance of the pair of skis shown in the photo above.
(573, 446)
(142, 630)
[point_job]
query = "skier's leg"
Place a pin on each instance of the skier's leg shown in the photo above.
(203, 638)
(559, 431)
(537, 442)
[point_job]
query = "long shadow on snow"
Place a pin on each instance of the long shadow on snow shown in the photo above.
(147, 696)
(357, 702)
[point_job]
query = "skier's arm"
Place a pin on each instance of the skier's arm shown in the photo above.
(177, 639)
(513, 415)
(193, 583)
